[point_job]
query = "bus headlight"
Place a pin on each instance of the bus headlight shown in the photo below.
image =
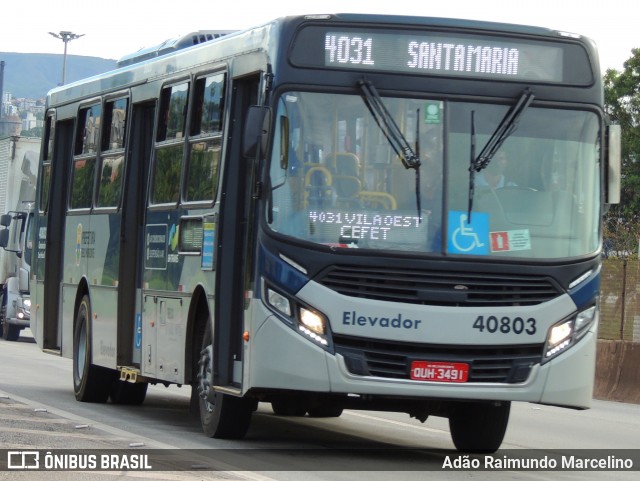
(313, 325)
(307, 321)
(312, 321)
(567, 332)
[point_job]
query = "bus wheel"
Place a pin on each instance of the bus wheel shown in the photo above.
(479, 427)
(125, 392)
(221, 415)
(90, 383)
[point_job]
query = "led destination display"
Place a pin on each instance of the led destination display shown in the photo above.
(442, 54)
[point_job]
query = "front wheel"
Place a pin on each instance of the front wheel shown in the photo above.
(90, 383)
(221, 415)
(8, 331)
(479, 427)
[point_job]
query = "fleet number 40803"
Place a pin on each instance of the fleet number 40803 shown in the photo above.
(505, 325)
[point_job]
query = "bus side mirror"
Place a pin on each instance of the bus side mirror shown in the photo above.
(5, 220)
(257, 129)
(614, 164)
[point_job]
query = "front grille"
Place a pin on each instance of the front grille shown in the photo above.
(487, 364)
(439, 288)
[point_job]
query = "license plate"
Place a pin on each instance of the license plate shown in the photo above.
(439, 371)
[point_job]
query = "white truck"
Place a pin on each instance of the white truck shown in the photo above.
(18, 174)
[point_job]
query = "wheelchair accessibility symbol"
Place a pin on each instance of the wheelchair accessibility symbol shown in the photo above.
(468, 237)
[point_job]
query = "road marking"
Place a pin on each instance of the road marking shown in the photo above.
(395, 423)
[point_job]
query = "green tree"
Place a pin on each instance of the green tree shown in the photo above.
(622, 105)
(34, 132)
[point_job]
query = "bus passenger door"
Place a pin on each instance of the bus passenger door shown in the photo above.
(55, 228)
(235, 257)
(131, 242)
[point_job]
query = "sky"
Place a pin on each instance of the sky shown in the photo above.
(129, 25)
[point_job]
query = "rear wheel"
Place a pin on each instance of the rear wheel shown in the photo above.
(90, 383)
(221, 415)
(479, 427)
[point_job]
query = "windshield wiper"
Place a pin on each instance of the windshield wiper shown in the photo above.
(388, 126)
(507, 126)
(392, 132)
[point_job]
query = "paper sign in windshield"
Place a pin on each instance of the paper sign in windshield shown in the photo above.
(511, 240)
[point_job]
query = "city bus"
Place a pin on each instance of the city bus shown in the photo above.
(331, 212)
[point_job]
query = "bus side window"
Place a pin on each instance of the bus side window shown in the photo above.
(173, 112)
(89, 120)
(206, 127)
(47, 159)
(85, 153)
(170, 135)
(112, 156)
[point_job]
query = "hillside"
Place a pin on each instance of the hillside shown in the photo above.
(32, 75)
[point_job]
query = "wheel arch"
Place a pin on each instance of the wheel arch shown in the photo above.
(81, 291)
(197, 317)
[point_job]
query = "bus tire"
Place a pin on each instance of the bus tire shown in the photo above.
(125, 392)
(479, 427)
(221, 415)
(90, 383)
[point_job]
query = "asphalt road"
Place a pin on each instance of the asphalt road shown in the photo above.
(38, 411)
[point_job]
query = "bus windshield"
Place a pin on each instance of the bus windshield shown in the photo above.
(337, 180)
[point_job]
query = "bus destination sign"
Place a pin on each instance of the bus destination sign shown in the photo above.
(444, 55)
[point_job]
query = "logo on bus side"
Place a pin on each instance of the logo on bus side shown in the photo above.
(352, 318)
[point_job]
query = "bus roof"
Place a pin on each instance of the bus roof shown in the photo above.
(134, 68)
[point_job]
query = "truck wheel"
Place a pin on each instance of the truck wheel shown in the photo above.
(90, 383)
(221, 415)
(10, 332)
(479, 427)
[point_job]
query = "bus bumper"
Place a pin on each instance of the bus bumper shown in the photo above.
(282, 359)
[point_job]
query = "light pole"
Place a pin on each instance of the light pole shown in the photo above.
(66, 37)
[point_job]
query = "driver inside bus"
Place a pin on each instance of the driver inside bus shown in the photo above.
(493, 176)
